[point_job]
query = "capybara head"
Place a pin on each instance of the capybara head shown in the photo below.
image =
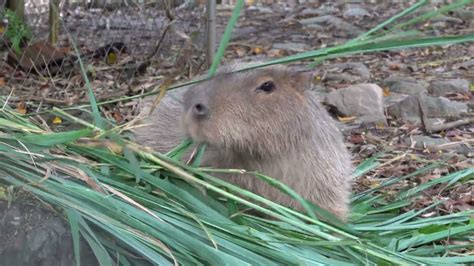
(258, 112)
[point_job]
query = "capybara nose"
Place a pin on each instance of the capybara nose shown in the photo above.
(200, 110)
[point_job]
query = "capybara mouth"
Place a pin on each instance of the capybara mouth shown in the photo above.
(196, 130)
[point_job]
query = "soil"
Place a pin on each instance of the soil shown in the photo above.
(32, 234)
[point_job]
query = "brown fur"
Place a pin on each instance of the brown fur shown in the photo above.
(285, 134)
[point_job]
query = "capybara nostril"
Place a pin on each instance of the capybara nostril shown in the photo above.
(200, 111)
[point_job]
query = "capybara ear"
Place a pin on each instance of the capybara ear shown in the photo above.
(301, 80)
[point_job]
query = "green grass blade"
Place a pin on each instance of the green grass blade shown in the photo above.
(50, 139)
(74, 225)
(226, 36)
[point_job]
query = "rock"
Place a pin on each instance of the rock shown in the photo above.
(243, 32)
(470, 104)
(263, 9)
(403, 107)
(447, 19)
(405, 85)
(340, 27)
(291, 46)
(466, 15)
(362, 100)
(319, 91)
(32, 235)
(467, 65)
(440, 107)
(307, 12)
(355, 12)
(315, 27)
(443, 87)
(347, 72)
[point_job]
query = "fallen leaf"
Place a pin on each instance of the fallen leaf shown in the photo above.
(112, 58)
(240, 51)
(386, 91)
(346, 119)
(21, 107)
(394, 66)
(163, 88)
(57, 120)
(118, 116)
(374, 184)
(257, 50)
(380, 125)
(356, 139)
(276, 53)
(2, 82)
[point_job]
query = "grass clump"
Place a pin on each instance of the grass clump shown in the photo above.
(153, 206)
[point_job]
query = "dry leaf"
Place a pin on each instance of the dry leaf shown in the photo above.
(112, 58)
(386, 91)
(257, 50)
(118, 116)
(57, 120)
(240, 51)
(374, 184)
(114, 147)
(2, 82)
(394, 66)
(276, 53)
(163, 88)
(380, 125)
(356, 139)
(21, 107)
(346, 119)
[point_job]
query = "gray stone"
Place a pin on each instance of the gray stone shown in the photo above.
(405, 85)
(468, 65)
(315, 27)
(447, 19)
(243, 32)
(356, 12)
(440, 107)
(347, 72)
(265, 10)
(403, 107)
(339, 26)
(470, 104)
(318, 11)
(362, 100)
(319, 91)
(291, 46)
(466, 15)
(327, 19)
(443, 87)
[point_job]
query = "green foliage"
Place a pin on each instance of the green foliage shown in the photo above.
(17, 31)
(153, 207)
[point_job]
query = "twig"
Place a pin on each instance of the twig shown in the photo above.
(454, 143)
(441, 127)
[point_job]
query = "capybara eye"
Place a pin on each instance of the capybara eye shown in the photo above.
(268, 86)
